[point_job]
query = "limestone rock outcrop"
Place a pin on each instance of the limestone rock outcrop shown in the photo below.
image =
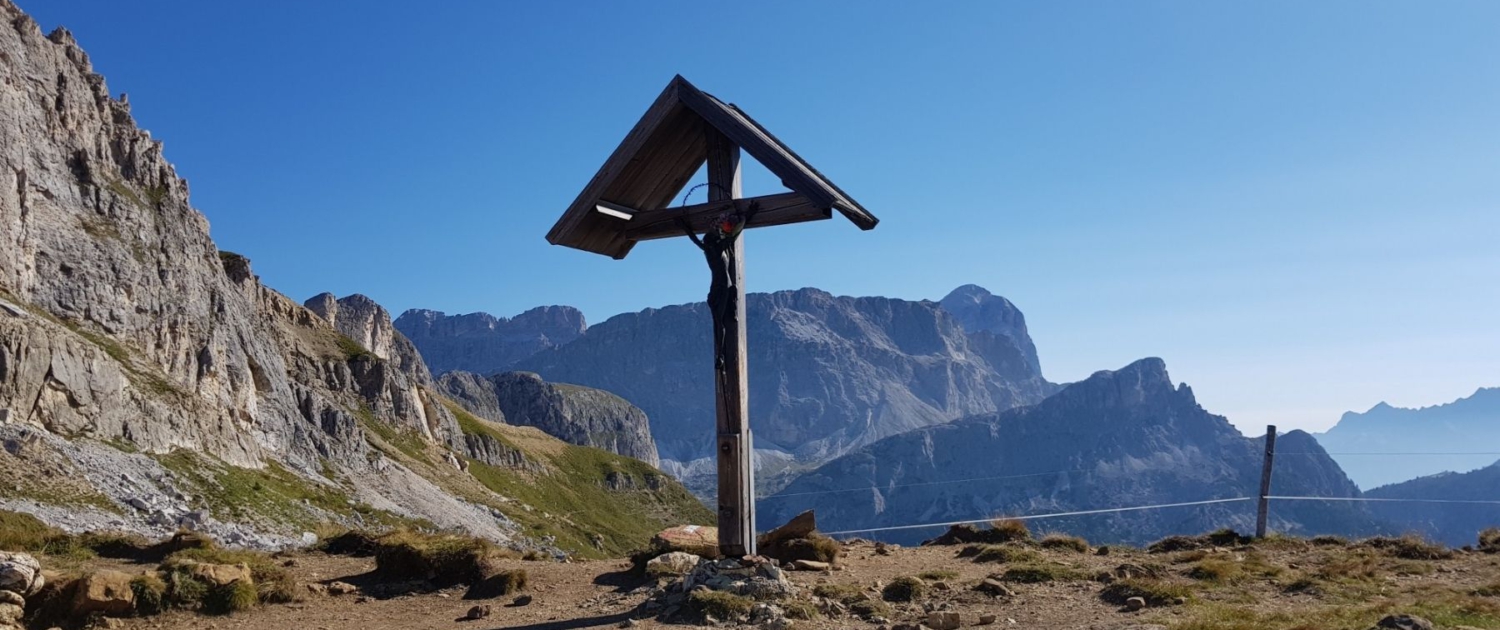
(574, 414)
(137, 360)
(827, 374)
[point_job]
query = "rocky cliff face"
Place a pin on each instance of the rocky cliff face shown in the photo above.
(574, 414)
(1457, 523)
(1387, 444)
(484, 344)
(827, 374)
(996, 328)
(146, 373)
(1117, 439)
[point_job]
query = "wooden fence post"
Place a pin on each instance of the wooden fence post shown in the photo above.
(1265, 483)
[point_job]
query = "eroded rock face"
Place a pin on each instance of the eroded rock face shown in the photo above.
(122, 321)
(484, 344)
(579, 415)
(827, 373)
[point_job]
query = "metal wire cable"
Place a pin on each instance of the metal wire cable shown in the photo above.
(924, 483)
(1375, 453)
(1383, 500)
(1042, 516)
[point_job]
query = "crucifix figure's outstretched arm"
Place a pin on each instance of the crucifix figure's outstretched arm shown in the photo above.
(688, 229)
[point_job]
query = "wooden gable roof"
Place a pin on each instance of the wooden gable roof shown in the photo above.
(629, 199)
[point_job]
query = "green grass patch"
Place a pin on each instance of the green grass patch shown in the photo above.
(570, 500)
(273, 493)
(1001, 553)
(352, 349)
(408, 443)
(236, 596)
(272, 583)
(869, 608)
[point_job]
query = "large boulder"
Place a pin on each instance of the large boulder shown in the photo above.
(106, 593)
(699, 540)
(20, 573)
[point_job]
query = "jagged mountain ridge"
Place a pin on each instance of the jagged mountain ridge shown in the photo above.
(575, 414)
(1429, 440)
(142, 370)
(1117, 439)
(827, 373)
(1455, 524)
(484, 344)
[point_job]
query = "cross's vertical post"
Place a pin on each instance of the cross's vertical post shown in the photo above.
(731, 382)
(1263, 513)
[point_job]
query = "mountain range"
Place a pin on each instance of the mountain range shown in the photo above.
(827, 373)
(1454, 506)
(1117, 439)
(1388, 444)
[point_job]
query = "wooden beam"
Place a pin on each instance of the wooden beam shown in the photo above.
(617, 162)
(779, 209)
(795, 173)
(731, 383)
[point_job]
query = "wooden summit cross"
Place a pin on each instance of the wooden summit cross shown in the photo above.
(629, 200)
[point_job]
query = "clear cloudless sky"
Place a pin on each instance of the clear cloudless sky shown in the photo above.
(1296, 204)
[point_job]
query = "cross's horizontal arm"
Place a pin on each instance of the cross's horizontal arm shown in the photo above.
(780, 209)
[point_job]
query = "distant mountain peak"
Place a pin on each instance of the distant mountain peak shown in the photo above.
(981, 313)
(484, 344)
(1451, 427)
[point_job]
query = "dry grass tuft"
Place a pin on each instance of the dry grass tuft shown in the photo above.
(1155, 592)
(1065, 542)
(938, 575)
(1410, 547)
(444, 560)
(236, 596)
(1489, 540)
(904, 589)
(1004, 553)
(813, 547)
(719, 605)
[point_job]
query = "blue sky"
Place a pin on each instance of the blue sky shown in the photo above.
(1297, 205)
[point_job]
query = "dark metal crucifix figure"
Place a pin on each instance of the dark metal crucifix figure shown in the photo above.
(718, 245)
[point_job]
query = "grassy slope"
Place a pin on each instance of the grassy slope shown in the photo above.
(571, 500)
